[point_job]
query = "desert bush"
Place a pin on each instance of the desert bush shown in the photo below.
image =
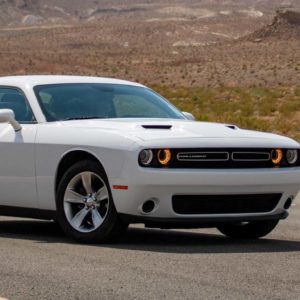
(259, 108)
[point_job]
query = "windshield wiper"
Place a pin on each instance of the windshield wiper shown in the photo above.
(83, 118)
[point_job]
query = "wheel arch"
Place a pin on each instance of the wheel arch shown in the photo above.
(70, 158)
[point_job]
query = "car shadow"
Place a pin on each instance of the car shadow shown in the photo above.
(153, 240)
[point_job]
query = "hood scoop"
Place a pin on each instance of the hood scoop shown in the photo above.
(233, 127)
(157, 126)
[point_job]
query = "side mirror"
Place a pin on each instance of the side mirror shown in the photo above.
(8, 116)
(189, 116)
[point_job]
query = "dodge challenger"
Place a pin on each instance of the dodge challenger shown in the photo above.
(97, 154)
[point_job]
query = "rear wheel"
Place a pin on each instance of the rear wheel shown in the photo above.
(248, 230)
(85, 207)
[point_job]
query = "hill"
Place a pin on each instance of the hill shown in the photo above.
(35, 12)
(229, 61)
(286, 25)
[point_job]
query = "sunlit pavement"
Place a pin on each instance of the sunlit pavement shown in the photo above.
(38, 262)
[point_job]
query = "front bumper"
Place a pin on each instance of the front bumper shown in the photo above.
(162, 184)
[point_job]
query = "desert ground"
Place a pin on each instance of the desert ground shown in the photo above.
(232, 61)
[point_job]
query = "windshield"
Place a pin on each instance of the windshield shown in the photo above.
(92, 100)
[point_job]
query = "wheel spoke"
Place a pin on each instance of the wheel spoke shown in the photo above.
(96, 218)
(102, 194)
(86, 205)
(79, 217)
(86, 178)
(73, 197)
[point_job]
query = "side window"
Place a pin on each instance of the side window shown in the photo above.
(13, 99)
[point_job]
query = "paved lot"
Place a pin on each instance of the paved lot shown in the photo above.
(38, 262)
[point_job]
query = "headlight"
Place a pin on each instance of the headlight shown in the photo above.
(276, 156)
(291, 156)
(146, 157)
(164, 156)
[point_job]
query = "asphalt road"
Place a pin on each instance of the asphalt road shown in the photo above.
(38, 262)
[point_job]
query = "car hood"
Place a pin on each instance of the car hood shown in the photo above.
(184, 132)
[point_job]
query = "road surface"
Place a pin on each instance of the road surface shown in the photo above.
(38, 262)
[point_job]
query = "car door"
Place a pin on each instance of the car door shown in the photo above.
(17, 157)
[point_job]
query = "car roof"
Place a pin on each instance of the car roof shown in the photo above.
(34, 80)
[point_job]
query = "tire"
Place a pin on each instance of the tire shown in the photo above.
(85, 207)
(248, 230)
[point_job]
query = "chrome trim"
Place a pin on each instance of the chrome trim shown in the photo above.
(199, 154)
(264, 153)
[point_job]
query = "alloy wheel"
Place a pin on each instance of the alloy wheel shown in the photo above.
(86, 201)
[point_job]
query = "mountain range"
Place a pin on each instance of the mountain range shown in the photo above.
(33, 12)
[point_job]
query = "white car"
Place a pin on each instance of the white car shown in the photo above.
(97, 154)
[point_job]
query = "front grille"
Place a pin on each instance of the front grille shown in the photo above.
(221, 158)
(251, 156)
(225, 158)
(224, 204)
(203, 156)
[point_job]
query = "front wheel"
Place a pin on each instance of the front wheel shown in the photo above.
(85, 208)
(248, 230)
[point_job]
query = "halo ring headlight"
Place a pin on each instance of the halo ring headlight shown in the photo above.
(146, 157)
(276, 156)
(164, 156)
(291, 156)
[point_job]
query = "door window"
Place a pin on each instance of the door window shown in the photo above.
(13, 99)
